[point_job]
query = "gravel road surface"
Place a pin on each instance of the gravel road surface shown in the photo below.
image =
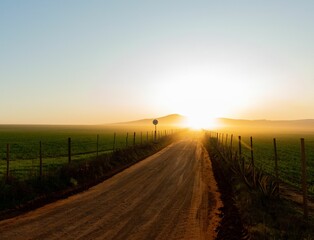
(170, 195)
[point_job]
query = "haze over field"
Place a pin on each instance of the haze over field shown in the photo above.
(94, 62)
(227, 124)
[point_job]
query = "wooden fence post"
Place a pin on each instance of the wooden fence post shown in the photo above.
(141, 138)
(240, 152)
(126, 139)
(304, 179)
(240, 147)
(114, 142)
(276, 165)
(252, 156)
(97, 145)
(40, 161)
(134, 139)
(69, 150)
(8, 160)
(231, 153)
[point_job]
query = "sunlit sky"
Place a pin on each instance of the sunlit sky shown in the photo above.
(92, 62)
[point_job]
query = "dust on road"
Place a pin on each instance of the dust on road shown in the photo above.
(170, 195)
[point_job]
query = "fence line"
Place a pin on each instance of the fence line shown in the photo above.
(303, 164)
(8, 160)
(304, 179)
(69, 149)
(40, 161)
(276, 165)
(47, 160)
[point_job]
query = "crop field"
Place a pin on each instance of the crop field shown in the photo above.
(288, 151)
(86, 143)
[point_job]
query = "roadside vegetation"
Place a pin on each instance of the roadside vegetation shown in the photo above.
(28, 142)
(288, 151)
(259, 208)
(18, 194)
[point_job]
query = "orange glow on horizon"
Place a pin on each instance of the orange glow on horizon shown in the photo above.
(198, 123)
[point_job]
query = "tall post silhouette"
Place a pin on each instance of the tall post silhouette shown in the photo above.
(155, 122)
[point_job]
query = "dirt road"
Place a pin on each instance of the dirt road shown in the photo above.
(170, 195)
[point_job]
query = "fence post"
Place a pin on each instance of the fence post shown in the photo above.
(69, 150)
(126, 139)
(114, 142)
(252, 156)
(40, 161)
(304, 179)
(276, 165)
(97, 145)
(240, 149)
(141, 138)
(240, 152)
(155, 135)
(8, 160)
(134, 139)
(147, 136)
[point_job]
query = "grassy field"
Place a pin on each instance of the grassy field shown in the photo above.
(24, 148)
(264, 212)
(24, 144)
(288, 150)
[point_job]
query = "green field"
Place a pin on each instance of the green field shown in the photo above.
(24, 148)
(288, 150)
(25, 144)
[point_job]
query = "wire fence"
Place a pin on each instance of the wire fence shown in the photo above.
(290, 161)
(264, 152)
(28, 159)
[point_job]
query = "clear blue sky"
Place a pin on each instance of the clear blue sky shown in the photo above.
(88, 62)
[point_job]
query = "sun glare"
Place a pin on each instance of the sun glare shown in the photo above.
(198, 123)
(204, 92)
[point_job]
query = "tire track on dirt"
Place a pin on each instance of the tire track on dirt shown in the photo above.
(170, 195)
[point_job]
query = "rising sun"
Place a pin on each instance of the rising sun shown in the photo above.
(198, 123)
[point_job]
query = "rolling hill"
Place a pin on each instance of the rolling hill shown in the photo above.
(169, 120)
(178, 120)
(271, 125)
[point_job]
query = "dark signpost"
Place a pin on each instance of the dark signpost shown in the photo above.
(155, 122)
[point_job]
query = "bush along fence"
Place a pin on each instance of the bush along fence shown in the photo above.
(261, 166)
(75, 174)
(36, 159)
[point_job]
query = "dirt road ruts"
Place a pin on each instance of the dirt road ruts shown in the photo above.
(170, 195)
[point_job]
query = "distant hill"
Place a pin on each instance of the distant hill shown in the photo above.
(264, 125)
(169, 120)
(177, 120)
